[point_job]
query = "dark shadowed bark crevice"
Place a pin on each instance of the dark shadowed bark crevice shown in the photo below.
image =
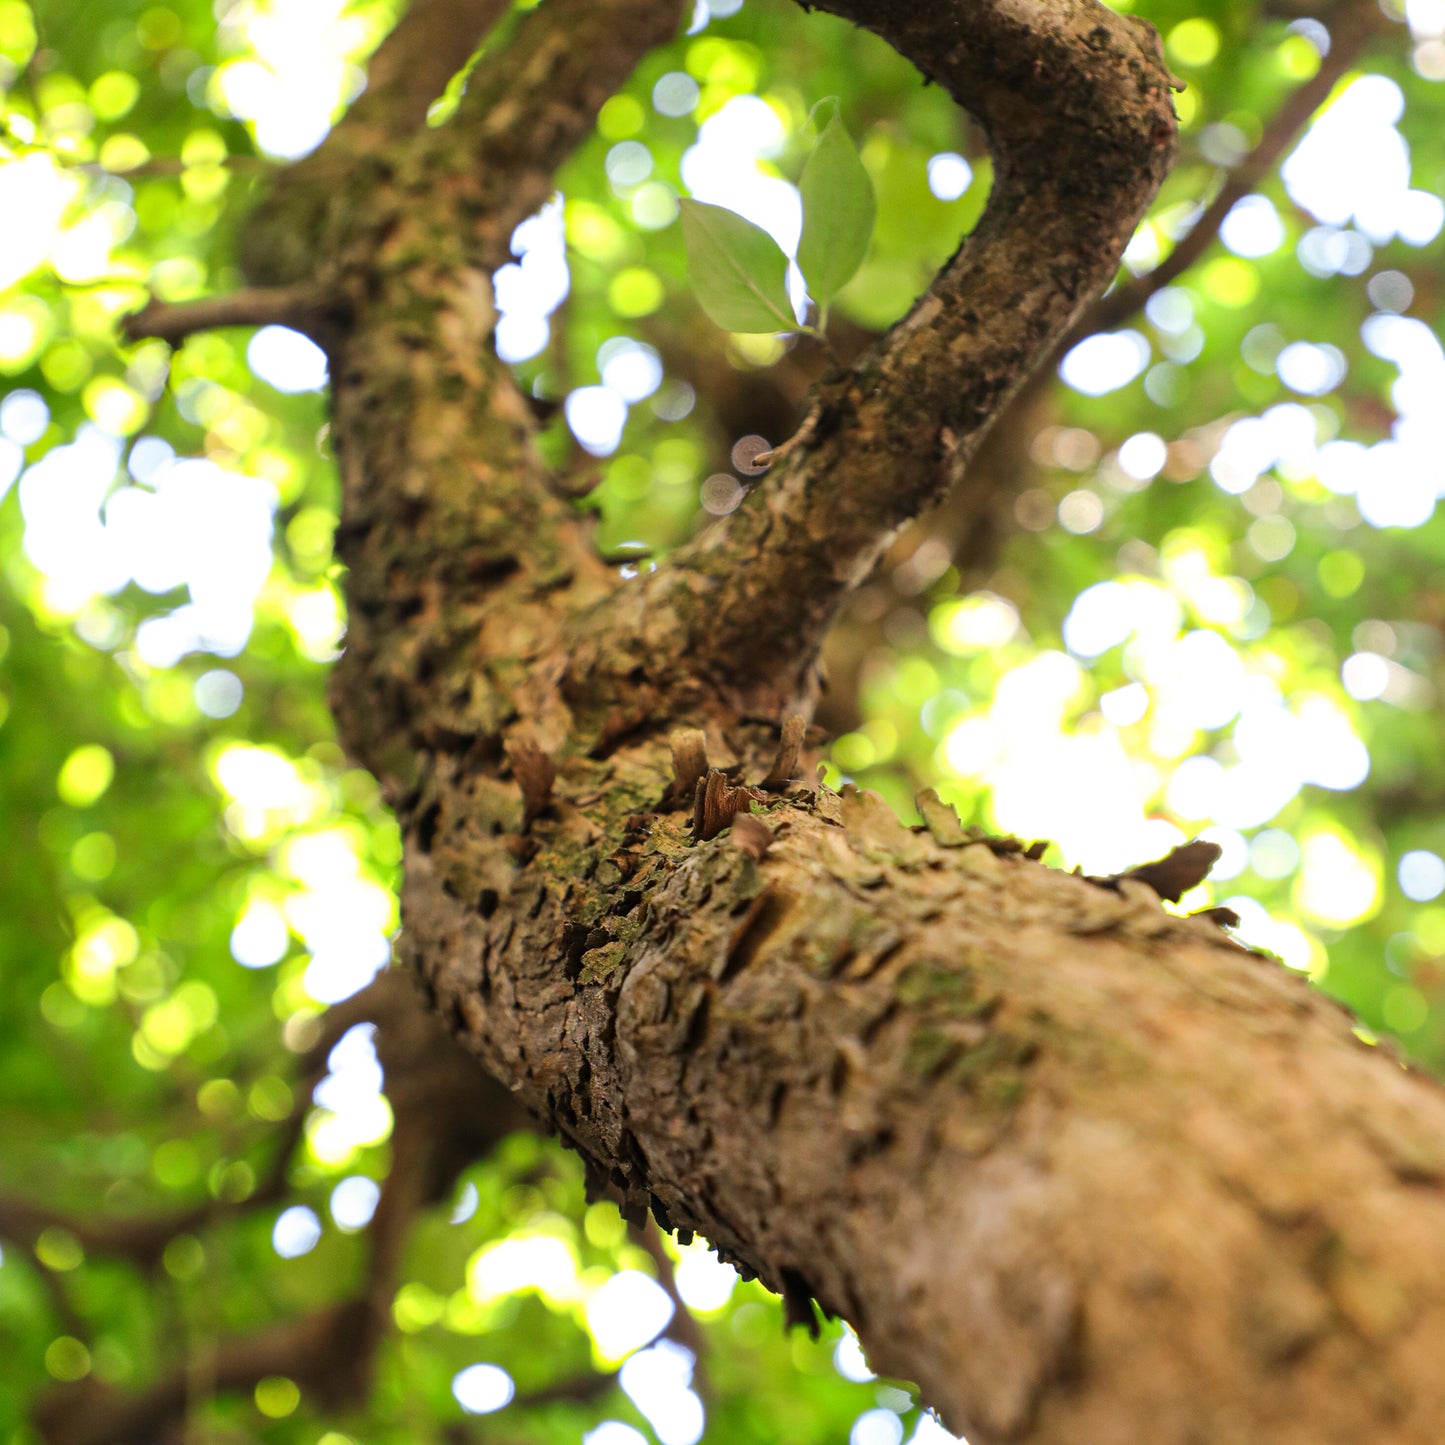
(1081, 1168)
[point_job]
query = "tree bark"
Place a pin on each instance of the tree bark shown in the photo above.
(1081, 1168)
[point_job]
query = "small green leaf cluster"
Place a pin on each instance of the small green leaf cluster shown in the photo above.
(740, 272)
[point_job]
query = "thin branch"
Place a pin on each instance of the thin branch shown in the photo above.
(143, 1239)
(447, 1114)
(682, 1327)
(302, 307)
(977, 515)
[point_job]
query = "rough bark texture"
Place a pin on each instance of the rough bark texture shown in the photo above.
(1082, 1169)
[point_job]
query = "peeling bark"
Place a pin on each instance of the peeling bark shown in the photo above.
(1083, 1169)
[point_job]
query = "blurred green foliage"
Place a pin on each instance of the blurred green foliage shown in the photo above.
(1220, 608)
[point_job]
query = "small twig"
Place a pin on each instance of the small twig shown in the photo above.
(300, 307)
(799, 438)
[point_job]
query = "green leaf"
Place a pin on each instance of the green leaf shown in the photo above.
(838, 213)
(738, 270)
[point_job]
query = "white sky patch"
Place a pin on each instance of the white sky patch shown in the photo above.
(1102, 617)
(481, 1389)
(352, 1110)
(675, 94)
(722, 168)
(24, 416)
(704, 1281)
(1422, 875)
(1399, 485)
(850, 1361)
(198, 527)
(1105, 362)
(1354, 165)
(260, 937)
(60, 499)
(1335, 886)
(614, 1432)
(37, 189)
(930, 1432)
(949, 175)
(297, 1231)
(876, 1427)
(631, 368)
(344, 916)
(658, 1382)
(1253, 227)
(539, 1262)
(466, 1204)
(596, 415)
(218, 693)
(1279, 750)
(1125, 706)
(1142, 456)
(1311, 368)
(1259, 930)
(296, 74)
(354, 1201)
(1234, 855)
(530, 289)
(286, 359)
(626, 1313)
(1284, 436)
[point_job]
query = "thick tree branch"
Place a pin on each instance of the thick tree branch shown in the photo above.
(977, 515)
(1045, 1145)
(431, 42)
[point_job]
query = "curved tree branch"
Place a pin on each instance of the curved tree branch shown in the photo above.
(1075, 102)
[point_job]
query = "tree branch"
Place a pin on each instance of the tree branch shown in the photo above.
(1075, 102)
(431, 42)
(301, 307)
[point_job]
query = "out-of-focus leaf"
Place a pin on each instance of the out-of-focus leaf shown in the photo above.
(739, 271)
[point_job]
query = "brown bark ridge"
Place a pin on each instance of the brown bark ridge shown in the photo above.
(1081, 1168)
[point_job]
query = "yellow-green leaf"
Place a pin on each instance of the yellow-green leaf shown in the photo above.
(737, 269)
(838, 213)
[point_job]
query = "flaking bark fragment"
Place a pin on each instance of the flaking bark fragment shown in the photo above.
(535, 772)
(785, 765)
(716, 803)
(941, 820)
(689, 761)
(1172, 876)
(752, 835)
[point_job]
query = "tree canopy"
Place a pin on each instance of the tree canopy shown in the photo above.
(1188, 587)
